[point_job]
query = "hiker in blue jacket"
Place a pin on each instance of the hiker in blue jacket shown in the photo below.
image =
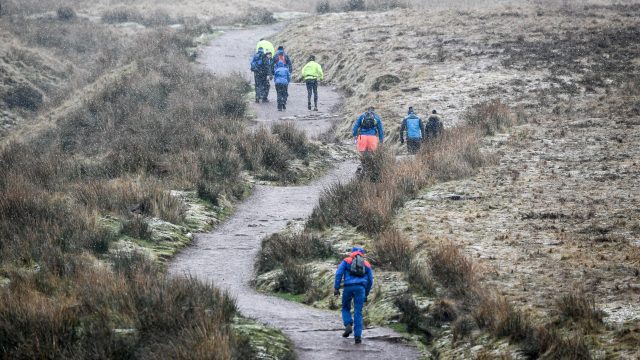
(282, 77)
(261, 68)
(367, 131)
(358, 280)
(412, 124)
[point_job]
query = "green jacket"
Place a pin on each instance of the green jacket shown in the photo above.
(312, 71)
(266, 46)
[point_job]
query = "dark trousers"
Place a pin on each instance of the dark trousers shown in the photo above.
(413, 145)
(312, 87)
(262, 86)
(283, 94)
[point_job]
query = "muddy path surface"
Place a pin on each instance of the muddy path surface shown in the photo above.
(226, 255)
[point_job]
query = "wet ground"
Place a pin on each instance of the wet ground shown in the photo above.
(226, 256)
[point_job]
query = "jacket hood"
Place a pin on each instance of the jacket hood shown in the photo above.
(280, 64)
(358, 250)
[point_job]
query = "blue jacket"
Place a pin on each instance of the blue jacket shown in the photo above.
(373, 131)
(344, 273)
(413, 125)
(281, 76)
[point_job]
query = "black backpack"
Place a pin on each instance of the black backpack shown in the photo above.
(369, 121)
(357, 266)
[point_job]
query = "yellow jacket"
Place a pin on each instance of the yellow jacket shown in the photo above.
(312, 71)
(266, 46)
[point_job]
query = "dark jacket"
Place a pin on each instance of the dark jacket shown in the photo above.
(280, 55)
(434, 127)
(260, 64)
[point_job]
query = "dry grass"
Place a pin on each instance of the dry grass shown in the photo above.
(119, 315)
(392, 251)
(580, 307)
(295, 278)
(490, 117)
(454, 270)
(279, 249)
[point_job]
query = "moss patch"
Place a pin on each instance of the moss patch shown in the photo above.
(268, 343)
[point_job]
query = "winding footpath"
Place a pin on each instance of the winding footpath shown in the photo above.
(226, 255)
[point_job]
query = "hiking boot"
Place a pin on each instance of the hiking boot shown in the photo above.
(309, 106)
(257, 100)
(265, 100)
(358, 340)
(347, 330)
(315, 109)
(284, 107)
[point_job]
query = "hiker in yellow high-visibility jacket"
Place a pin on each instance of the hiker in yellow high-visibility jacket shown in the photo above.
(266, 46)
(311, 74)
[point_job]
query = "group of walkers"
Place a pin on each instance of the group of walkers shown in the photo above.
(269, 64)
(368, 131)
(354, 274)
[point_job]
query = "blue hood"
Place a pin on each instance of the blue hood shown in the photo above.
(358, 249)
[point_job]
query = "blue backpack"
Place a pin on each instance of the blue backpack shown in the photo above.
(256, 62)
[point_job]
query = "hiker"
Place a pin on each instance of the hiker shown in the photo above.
(261, 67)
(311, 74)
(358, 280)
(282, 77)
(367, 131)
(434, 127)
(412, 124)
(266, 46)
(280, 55)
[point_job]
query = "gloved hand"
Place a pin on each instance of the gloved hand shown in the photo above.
(336, 292)
(401, 140)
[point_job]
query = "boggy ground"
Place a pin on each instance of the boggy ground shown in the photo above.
(556, 214)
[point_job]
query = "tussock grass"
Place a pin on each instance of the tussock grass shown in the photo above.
(279, 249)
(490, 117)
(119, 315)
(295, 278)
(392, 251)
(579, 306)
(453, 269)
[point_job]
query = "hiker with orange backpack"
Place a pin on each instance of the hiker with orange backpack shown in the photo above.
(281, 56)
(356, 274)
(368, 131)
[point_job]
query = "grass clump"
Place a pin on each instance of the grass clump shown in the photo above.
(454, 270)
(490, 117)
(66, 13)
(278, 249)
(295, 278)
(579, 306)
(392, 251)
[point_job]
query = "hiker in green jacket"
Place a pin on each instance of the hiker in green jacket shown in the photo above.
(266, 45)
(311, 74)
